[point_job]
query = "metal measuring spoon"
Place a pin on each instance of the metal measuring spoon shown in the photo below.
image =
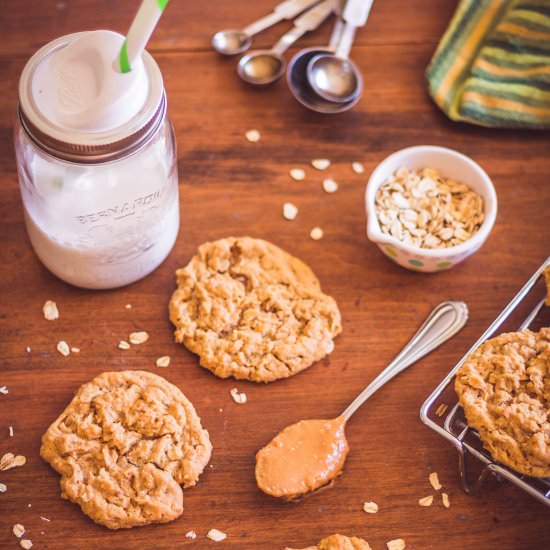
(262, 67)
(232, 42)
(310, 454)
(299, 86)
(334, 76)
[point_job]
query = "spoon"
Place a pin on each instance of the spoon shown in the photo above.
(310, 454)
(334, 76)
(299, 86)
(232, 42)
(262, 67)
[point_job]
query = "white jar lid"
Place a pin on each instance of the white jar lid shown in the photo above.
(77, 106)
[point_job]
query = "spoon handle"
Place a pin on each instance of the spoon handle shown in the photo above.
(442, 323)
(355, 15)
(308, 21)
(284, 10)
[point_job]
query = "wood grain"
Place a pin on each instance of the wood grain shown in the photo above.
(232, 187)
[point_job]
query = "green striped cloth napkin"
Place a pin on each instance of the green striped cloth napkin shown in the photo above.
(492, 66)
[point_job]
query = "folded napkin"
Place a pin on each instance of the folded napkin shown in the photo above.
(492, 66)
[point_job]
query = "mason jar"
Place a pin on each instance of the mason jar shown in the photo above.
(97, 173)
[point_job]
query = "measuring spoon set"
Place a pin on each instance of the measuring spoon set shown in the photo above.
(323, 78)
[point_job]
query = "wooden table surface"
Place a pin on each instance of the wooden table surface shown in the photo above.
(232, 187)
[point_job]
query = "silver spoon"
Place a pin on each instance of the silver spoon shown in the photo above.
(299, 86)
(232, 42)
(335, 77)
(442, 323)
(262, 67)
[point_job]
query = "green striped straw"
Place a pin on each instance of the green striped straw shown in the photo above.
(140, 31)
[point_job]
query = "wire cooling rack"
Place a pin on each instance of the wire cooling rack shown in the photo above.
(525, 310)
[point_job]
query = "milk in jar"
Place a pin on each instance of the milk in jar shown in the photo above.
(96, 159)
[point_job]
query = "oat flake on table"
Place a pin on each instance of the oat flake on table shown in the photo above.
(434, 481)
(163, 361)
(123, 345)
(191, 535)
(4, 390)
(63, 348)
(316, 233)
(237, 396)
(396, 544)
(330, 186)
(290, 211)
(320, 164)
(426, 501)
(18, 530)
(297, 174)
(139, 337)
(3, 487)
(9, 461)
(50, 311)
(357, 167)
(253, 136)
(26, 544)
(445, 500)
(215, 535)
(370, 507)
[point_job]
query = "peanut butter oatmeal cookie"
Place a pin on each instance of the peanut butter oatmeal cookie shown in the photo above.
(250, 310)
(504, 388)
(340, 542)
(124, 446)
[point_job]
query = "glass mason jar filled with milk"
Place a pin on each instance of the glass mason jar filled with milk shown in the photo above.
(96, 158)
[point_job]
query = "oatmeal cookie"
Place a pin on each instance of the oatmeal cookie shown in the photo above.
(504, 388)
(340, 542)
(250, 310)
(124, 446)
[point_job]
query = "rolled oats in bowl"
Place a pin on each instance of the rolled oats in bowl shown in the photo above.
(424, 209)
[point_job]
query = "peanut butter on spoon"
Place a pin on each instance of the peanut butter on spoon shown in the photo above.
(307, 455)
(302, 458)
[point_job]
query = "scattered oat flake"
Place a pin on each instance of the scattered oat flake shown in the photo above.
(138, 337)
(63, 348)
(426, 501)
(396, 544)
(128, 306)
(290, 211)
(28, 349)
(75, 350)
(18, 530)
(3, 487)
(330, 186)
(253, 136)
(316, 233)
(370, 507)
(9, 461)
(434, 480)
(29, 505)
(163, 361)
(445, 499)
(297, 174)
(45, 519)
(191, 535)
(50, 311)
(4, 390)
(10, 430)
(441, 410)
(237, 396)
(320, 164)
(357, 167)
(123, 345)
(26, 544)
(215, 535)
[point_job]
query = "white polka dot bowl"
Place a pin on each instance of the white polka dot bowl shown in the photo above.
(450, 164)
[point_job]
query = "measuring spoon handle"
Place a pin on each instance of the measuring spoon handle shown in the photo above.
(308, 21)
(442, 323)
(355, 15)
(285, 10)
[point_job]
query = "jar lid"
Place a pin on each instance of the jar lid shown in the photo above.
(75, 105)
